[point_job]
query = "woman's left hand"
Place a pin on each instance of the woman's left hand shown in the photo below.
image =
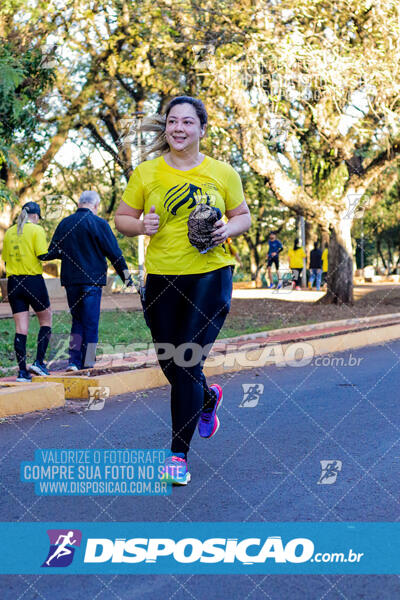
(220, 232)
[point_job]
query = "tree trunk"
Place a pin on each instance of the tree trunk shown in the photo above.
(340, 264)
(256, 261)
(253, 265)
(380, 253)
(390, 257)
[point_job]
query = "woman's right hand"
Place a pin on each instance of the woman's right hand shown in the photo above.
(151, 222)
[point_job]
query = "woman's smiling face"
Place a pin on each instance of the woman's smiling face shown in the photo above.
(183, 128)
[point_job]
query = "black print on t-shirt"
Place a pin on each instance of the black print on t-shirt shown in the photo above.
(188, 193)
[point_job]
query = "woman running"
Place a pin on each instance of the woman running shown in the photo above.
(188, 292)
(296, 256)
(23, 244)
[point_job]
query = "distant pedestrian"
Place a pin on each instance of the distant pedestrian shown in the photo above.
(325, 265)
(23, 246)
(83, 241)
(296, 256)
(274, 248)
(315, 266)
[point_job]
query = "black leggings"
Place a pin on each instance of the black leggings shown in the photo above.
(183, 309)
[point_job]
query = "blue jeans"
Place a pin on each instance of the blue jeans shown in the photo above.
(84, 305)
(316, 274)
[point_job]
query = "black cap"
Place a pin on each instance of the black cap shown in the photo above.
(32, 208)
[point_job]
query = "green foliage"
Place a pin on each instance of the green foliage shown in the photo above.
(63, 184)
(303, 64)
(380, 223)
(23, 81)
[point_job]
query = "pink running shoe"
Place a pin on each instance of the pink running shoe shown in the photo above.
(209, 423)
(175, 470)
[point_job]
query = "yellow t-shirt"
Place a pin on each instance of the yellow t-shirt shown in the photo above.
(20, 252)
(174, 194)
(325, 260)
(296, 258)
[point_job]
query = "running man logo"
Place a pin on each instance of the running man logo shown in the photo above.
(188, 193)
(251, 394)
(356, 205)
(329, 471)
(97, 397)
(63, 543)
(203, 56)
(59, 345)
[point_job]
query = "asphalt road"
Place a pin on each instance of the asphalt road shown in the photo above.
(263, 465)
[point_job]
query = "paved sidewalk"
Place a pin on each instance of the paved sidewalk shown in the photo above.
(125, 302)
(130, 301)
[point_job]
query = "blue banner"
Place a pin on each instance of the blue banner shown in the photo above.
(201, 548)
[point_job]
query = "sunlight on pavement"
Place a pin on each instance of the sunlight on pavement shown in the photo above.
(289, 295)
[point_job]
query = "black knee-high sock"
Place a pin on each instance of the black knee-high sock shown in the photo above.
(42, 342)
(20, 350)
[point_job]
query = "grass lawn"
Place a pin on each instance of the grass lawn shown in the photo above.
(119, 332)
(122, 331)
(117, 329)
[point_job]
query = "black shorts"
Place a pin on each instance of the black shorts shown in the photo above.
(273, 260)
(27, 290)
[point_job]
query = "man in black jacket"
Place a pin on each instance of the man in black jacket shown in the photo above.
(83, 241)
(315, 266)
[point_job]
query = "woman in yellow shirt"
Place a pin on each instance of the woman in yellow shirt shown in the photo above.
(296, 256)
(23, 245)
(188, 292)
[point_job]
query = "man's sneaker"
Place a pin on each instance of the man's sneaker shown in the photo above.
(175, 470)
(24, 376)
(272, 285)
(39, 368)
(209, 422)
(72, 367)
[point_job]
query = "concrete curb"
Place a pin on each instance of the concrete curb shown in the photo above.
(371, 321)
(261, 357)
(316, 326)
(21, 398)
(113, 384)
(278, 354)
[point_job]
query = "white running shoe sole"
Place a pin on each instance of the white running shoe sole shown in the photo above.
(38, 371)
(173, 481)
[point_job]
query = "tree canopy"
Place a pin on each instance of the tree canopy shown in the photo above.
(307, 85)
